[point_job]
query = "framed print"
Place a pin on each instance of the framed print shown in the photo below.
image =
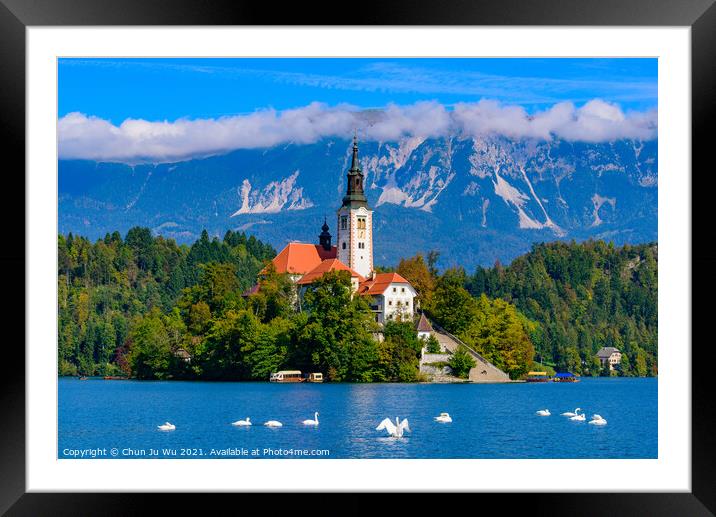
(418, 251)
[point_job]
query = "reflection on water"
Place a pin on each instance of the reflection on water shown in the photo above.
(489, 421)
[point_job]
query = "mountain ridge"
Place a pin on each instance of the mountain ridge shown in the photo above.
(476, 200)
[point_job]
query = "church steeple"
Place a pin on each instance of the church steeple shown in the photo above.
(354, 232)
(355, 196)
(325, 238)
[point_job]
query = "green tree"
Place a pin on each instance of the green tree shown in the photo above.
(150, 352)
(461, 362)
(336, 337)
(433, 345)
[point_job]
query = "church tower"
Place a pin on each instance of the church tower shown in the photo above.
(355, 223)
(325, 238)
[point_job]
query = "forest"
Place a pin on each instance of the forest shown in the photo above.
(144, 307)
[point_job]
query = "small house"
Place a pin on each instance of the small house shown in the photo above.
(183, 355)
(610, 355)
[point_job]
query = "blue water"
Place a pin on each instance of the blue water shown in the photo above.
(489, 420)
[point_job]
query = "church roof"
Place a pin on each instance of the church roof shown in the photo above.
(355, 196)
(298, 258)
(326, 266)
(424, 325)
(380, 282)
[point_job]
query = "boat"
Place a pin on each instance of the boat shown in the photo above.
(287, 376)
(565, 377)
(83, 377)
(536, 377)
(114, 378)
(314, 377)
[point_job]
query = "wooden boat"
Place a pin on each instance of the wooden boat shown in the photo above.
(114, 378)
(536, 377)
(565, 377)
(314, 377)
(287, 376)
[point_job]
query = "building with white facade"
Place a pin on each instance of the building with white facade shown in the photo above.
(611, 355)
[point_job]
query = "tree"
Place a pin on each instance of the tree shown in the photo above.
(399, 352)
(416, 272)
(497, 332)
(453, 306)
(624, 366)
(433, 345)
(149, 354)
(336, 337)
(461, 362)
(276, 297)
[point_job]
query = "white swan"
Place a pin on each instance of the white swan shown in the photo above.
(579, 417)
(273, 423)
(312, 422)
(544, 412)
(597, 420)
(569, 413)
(243, 422)
(166, 427)
(443, 418)
(394, 429)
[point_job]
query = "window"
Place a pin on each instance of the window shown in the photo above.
(344, 222)
(390, 302)
(402, 289)
(361, 245)
(344, 245)
(361, 223)
(395, 289)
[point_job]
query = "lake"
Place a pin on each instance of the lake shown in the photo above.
(489, 420)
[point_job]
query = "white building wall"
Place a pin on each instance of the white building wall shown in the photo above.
(398, 299)
(343, 237)
(355, 245)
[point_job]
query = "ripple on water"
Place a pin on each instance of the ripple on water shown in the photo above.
(489, 421)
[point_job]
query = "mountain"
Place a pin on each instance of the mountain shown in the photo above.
(474, 200)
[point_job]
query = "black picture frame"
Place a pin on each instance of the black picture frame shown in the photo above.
(17, 15)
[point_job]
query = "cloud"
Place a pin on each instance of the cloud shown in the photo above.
(136, 140)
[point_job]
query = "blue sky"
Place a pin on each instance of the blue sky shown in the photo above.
(168, 89)
(169, 109)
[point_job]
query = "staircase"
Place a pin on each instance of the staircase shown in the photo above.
(484, 371)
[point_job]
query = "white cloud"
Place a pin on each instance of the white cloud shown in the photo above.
(135, 140)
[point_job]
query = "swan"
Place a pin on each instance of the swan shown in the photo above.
(273, 423)
(166, 427)
(394, 429)
(443, 418)
(579, 417)
(544, 412)
(597, 420)
(569, 413)
(243, 422)
(312, 422)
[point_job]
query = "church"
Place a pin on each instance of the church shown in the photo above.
(392, 295)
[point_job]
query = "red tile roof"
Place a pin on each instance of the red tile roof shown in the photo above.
(326, 266)
(298, 258)
(380, 282)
